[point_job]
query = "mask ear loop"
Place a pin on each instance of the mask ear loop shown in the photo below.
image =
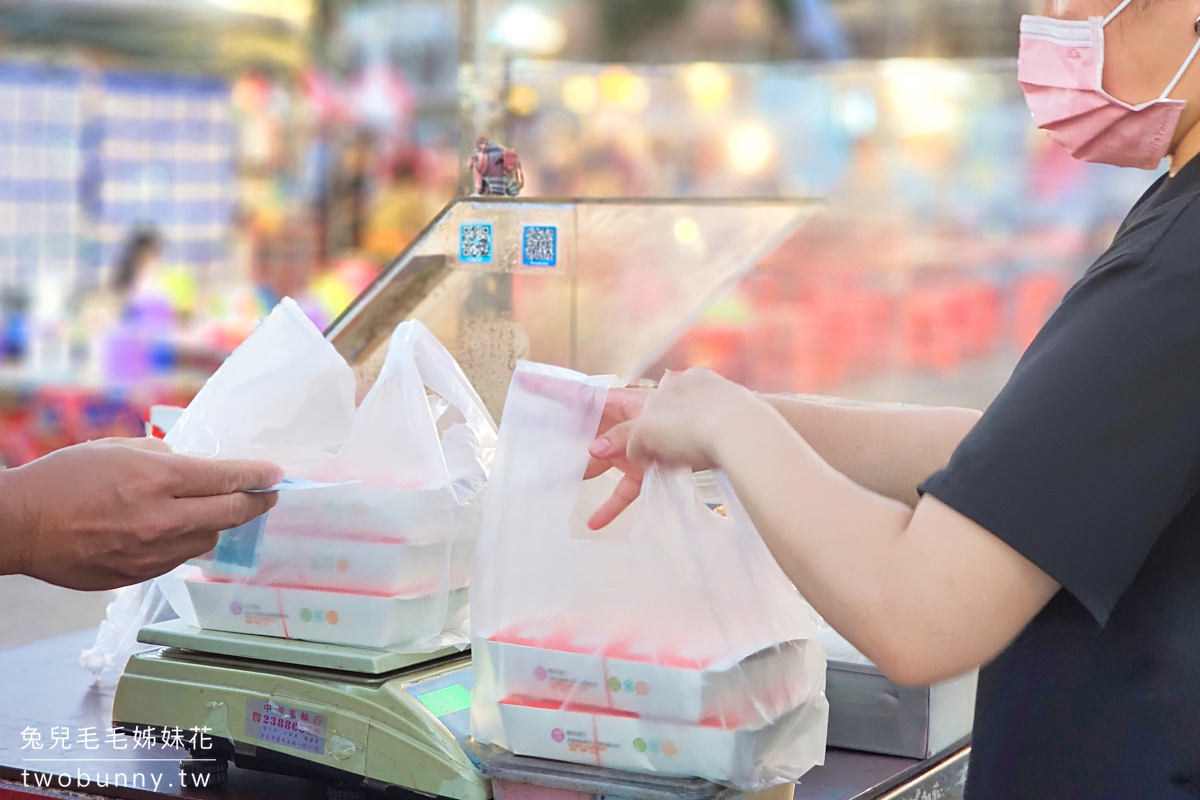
(1183, 70)
(1124, 5)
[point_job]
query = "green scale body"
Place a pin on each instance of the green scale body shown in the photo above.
(333, 713)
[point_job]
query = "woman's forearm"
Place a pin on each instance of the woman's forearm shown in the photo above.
(831, 536)
(926, 595)
(886, 448)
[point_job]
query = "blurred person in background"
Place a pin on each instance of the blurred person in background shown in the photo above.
(132, 275)
(346, 202)
(1053, 540)
(400, 210)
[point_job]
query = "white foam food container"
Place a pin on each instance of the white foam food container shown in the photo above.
(683, 683)
(623, 741)
(366, 510)
(360, 564)
(355, 620)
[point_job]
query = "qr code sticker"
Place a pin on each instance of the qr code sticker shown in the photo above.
(540, 247)
(475, 243)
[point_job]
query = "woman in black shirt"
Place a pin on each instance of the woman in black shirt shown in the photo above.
(1055, 539)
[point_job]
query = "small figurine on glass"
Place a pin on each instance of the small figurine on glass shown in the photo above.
(497, 170)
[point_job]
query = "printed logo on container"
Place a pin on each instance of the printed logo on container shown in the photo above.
(640, 688)
(540, 674)
(253, 615)
(667, 748)
(558, 735)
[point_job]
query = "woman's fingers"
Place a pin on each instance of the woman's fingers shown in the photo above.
(622, 497)
(614, 441)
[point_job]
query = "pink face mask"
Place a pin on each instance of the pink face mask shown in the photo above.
(1061, 70)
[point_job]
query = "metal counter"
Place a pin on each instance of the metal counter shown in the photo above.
(43, 687)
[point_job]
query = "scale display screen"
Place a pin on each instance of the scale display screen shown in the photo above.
(448, 697)
(447, 701)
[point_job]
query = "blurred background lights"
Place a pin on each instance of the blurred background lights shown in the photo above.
(709, 85)
(580, 94)
(751, 146)
(926, 97)
(687, 232)
(296, 12)
(857, 113)
(620, 87)
(526, 29)
(523, 101)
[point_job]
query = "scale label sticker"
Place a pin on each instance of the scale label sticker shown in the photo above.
(476, 243)
(275, 723)
(539, 246)
(447, 701)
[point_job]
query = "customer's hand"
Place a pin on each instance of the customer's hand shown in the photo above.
(609, 450)
(116, 512)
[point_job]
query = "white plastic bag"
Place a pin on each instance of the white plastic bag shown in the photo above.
(669, 642)
(382, 559)
(116, 638)
(133, 608)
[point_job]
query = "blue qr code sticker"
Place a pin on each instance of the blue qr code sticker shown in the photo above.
(475, 243)
(540, 246)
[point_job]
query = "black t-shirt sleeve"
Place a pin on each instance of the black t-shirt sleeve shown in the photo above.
(1092, 447)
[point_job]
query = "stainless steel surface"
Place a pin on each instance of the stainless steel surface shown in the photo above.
(868, 712)
(945, 781)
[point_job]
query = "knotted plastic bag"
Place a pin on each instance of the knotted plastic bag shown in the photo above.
(377, 551)
(669, 642)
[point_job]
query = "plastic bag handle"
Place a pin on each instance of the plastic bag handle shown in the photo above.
(673, 481)
(440, 372)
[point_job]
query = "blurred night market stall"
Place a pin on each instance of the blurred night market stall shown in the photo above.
(169, 169)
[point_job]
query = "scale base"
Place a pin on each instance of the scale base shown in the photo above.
(373, 729)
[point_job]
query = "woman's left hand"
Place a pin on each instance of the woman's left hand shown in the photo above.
(682, 421)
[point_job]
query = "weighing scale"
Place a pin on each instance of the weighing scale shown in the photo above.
(354, 719)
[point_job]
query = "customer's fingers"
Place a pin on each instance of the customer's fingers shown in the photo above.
(146, 443)
(203, 477)
(220, 512)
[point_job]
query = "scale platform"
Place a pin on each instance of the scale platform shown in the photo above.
(357, 720)
(352, 718)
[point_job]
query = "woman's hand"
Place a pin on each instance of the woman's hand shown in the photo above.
(610, 450)
(677, 424)
(682, 422)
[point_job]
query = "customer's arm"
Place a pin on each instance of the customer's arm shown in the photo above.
(115, 512)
